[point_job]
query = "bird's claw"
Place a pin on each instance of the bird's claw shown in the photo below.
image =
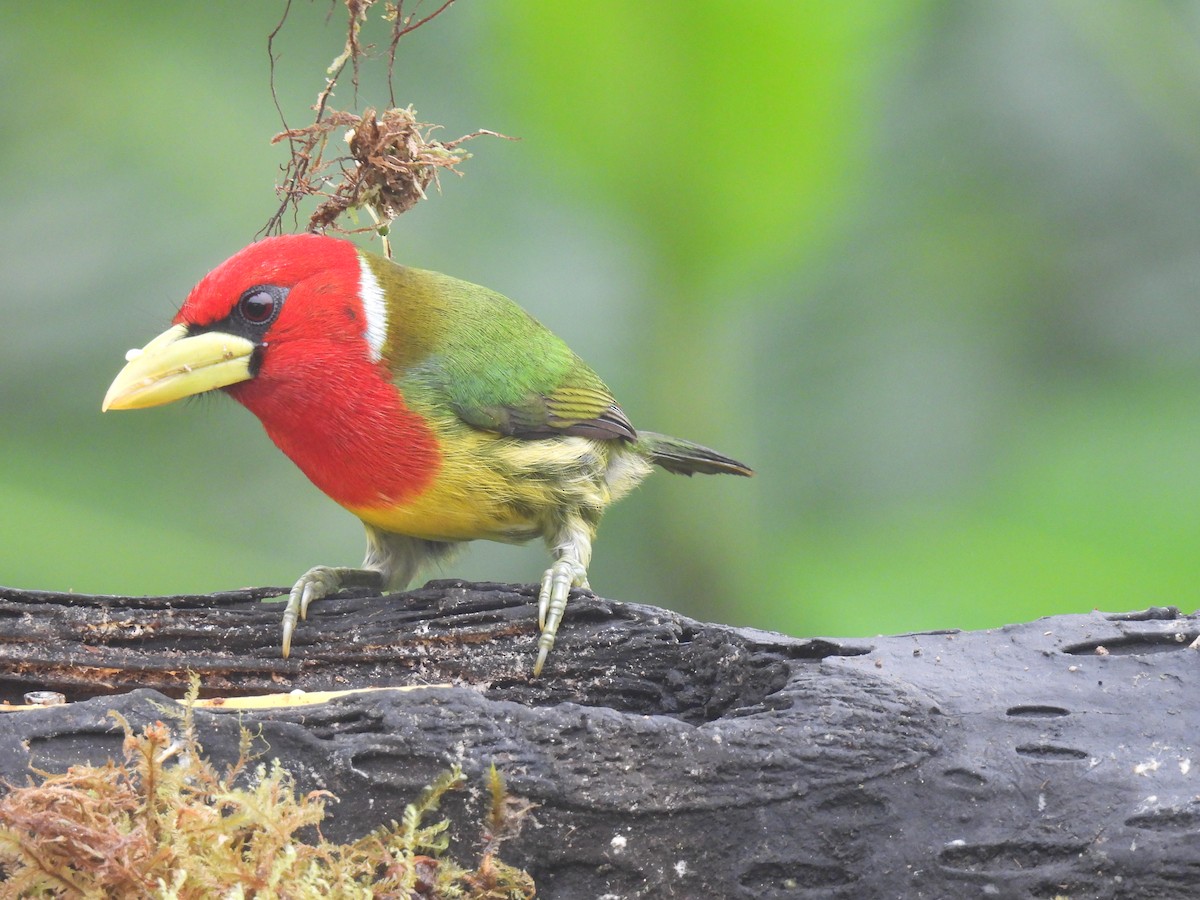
(565, 574)
(314, 584)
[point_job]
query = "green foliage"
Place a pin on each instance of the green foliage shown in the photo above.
(928, 266)
(724, 135)
(166, 823)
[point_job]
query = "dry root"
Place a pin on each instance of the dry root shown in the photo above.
(392, 158)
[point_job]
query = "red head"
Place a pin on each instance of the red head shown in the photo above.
(293, 327)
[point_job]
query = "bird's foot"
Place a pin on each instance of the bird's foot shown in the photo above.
(565, 574)
(318, 582)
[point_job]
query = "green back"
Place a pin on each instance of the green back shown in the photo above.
(458, 345)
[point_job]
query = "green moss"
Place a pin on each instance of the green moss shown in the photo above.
(165, 823)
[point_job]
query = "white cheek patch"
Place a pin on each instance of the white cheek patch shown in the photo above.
(374, 308)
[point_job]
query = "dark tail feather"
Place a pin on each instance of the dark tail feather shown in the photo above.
(685, 458)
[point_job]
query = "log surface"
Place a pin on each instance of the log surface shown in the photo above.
(672, 758)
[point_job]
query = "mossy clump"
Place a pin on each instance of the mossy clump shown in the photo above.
(166, 823)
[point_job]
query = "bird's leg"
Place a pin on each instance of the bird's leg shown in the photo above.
(391, 562)
(317, 582)
(572, 549)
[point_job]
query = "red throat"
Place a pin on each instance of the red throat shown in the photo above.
(340, 419)
(322, 397)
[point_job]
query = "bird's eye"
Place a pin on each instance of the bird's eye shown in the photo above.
(257, 306)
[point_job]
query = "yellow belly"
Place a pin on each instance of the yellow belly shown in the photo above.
(447, 512)
(502, 489)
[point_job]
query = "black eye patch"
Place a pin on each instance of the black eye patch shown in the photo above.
(251, 316)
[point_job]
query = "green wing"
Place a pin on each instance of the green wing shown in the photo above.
(498, 368)
(580, 405)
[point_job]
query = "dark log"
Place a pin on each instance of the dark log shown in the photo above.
(673, 758)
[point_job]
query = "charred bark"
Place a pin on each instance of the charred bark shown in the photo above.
(670, 757)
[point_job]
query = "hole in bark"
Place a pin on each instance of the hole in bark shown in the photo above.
(347, 720)
(695, 674)
(964, 777)
(934, 633)
(820, 648)
(1135, 644)
(856, 806)
(701, 681)
(1173, 819)
(1007, 855)
(378, 765)
(1035, 711)
(1051, 752)
(1154, 613)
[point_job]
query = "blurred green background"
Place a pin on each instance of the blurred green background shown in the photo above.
(931, 267)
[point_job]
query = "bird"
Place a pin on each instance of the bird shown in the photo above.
(435, 410)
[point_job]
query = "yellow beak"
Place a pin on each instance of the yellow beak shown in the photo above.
(174, 365)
